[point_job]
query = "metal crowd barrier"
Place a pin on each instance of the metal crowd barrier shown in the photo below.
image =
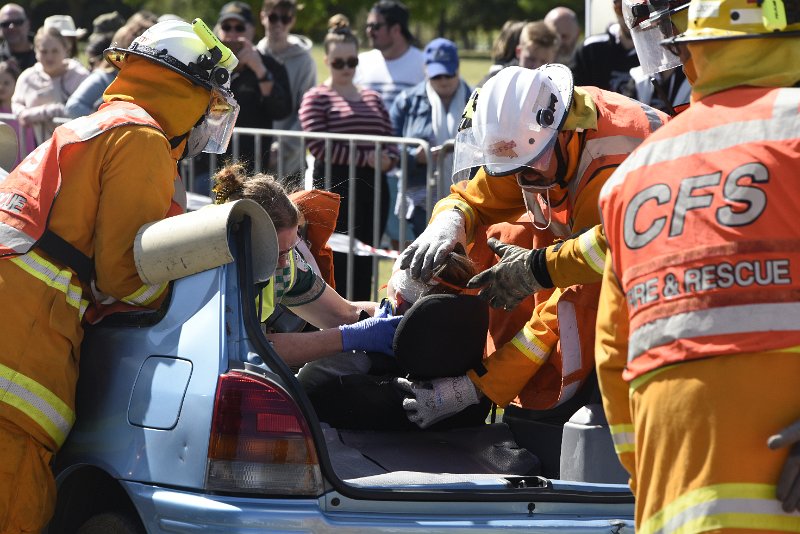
(437, 179)
(437, 185)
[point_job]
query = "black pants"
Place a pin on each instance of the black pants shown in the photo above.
(365, 206)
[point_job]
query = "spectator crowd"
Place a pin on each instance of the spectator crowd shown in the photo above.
(394, 86)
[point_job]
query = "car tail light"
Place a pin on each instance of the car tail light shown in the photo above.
(260, 442)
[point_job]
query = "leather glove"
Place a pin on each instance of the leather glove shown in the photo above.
(789, 483)
(431, 248)
(516, 276)
(430, 401)
(370, 335)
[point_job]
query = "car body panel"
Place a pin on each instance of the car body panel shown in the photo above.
(150, 450)
(175, 511)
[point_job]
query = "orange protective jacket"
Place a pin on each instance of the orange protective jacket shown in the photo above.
(611, 128)
(687, 221)
(693, 275)
(112, 184)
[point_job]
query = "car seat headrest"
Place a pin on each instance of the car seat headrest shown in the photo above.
(442, 335)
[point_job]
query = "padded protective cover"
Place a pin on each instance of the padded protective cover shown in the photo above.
(442, 335)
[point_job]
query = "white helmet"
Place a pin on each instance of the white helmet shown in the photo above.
(191, 50)
(516, 120)
(194, 52)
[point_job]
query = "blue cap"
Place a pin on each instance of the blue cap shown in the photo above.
(441, 57)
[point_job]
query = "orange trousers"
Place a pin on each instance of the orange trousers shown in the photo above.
(701, 429)
(27, 487)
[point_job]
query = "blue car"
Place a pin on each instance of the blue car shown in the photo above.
(188, 421)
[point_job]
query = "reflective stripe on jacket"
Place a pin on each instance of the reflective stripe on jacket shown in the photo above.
(36, 182)
(28, 192)
(701, 222)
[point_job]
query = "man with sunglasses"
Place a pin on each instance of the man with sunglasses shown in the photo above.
(394, 64)
(260, 83)
(15, 29)
(294, 52)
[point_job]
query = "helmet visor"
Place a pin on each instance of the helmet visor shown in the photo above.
(220, 120)
(647, 39)
(506, 148)
(500, 157)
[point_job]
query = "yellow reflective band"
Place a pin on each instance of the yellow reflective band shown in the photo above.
(751, 506)
(531, 346)
(623, 437)
(469, 214)
(594, 255)
(638, 381)
(37, 402)
(49, 273)
(145, 294)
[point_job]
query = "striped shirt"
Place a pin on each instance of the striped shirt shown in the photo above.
(325, 110)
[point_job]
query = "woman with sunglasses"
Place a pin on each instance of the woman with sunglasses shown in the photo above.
(431, 110)
(339, 106)
(260, 83)
(345, 326)
(294, 51)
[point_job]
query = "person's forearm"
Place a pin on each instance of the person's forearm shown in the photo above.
(297, 348)
(331, 309)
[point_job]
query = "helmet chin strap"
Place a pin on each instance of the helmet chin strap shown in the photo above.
(561, 167)
(532, 216)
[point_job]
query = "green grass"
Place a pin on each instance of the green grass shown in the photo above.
(473, 68)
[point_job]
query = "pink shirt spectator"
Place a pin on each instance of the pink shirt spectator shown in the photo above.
(325, 110)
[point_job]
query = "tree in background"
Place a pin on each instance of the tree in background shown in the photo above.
(460, 21)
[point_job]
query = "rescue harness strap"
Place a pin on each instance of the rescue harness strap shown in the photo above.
(67, 254)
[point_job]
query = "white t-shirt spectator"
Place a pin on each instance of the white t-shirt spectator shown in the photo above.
(388, 78)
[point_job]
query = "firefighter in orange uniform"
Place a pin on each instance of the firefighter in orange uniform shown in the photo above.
(545, 147)
(697, 331)
(68, 217)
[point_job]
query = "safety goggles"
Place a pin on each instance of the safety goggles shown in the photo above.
(340, 63)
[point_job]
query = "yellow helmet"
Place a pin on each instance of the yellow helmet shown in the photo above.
(739, 19)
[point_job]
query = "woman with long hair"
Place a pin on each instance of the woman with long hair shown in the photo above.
(339, 106)
(298, 287)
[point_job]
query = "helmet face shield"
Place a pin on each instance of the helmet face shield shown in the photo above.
(213, 131)
(220, 118)
(515, 124)
(650, 23)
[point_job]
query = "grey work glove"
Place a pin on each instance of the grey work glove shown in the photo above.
(516, 276)
(789, 483)
(429, 401)
(431, 248)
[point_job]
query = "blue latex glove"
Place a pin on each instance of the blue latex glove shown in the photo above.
(370, 335)
(385, 309)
